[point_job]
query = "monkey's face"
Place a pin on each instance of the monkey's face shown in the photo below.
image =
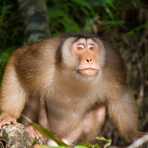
(85, 56)
(86, 51)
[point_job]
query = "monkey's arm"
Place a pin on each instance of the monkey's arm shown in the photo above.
(122, 110)
(121, 105)
(12, 94)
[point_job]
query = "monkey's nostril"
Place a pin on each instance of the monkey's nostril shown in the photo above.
(89, 60)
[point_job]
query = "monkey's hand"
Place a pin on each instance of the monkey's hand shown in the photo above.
(6, 119)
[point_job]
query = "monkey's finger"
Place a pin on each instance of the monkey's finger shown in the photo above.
(7, 121)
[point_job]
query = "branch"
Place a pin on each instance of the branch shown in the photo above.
(139, 142)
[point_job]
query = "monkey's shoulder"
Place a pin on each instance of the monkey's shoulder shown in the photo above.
(115, 67)
(35, 62)
(37, 54)
(39, 49)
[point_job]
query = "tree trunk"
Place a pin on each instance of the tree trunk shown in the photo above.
(35, 16)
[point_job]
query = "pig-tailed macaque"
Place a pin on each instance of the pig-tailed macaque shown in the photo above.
(68, 85)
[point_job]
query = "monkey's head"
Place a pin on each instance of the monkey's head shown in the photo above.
(83, 54)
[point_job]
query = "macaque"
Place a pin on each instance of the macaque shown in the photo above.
(69, 84)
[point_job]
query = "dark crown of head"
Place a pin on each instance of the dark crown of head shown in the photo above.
(81, 35)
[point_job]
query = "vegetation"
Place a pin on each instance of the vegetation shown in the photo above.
(68, 16)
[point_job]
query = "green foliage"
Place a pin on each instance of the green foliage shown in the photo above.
(64, 16)
(11, 26)
(79, 15)
(4, 56)
(69, 16)
(48, 134)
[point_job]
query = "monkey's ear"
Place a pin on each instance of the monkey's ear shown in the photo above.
(68, 58)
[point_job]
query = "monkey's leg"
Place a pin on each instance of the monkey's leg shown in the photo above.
(93, 123)
(35, 112)
(12, 96)
(88, 128)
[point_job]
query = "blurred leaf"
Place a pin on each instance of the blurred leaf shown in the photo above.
(88, 146)
(48, 134)
(110, 3)
(108, 142)
(62, 20)
(82, 3)
(105, 2)
(137, 29)
(45, 146)
(80, 146)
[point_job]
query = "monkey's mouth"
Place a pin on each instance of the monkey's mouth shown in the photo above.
(88, 71)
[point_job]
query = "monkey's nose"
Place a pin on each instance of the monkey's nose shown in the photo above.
(89, 60)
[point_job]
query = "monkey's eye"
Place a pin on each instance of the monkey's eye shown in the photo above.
(80, 46)
(91, 47)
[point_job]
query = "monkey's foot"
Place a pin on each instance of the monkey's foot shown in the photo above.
(6, 119)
